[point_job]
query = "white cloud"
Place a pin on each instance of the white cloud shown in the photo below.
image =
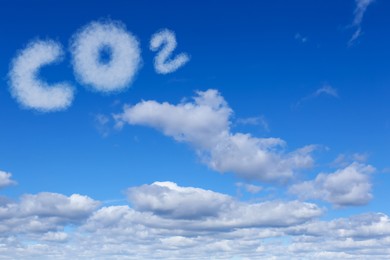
(349, 186)
(125, 58)
(5, 179)
(166, 198)
(44, 212)
(36, 228)
(250, 187)
(259, 120)
(188, 210)
(325, 90)
(55, 236)
(205, 125)
(48, 204)
(203, 209)
(358, 237)
(360, 10)
(163, 64)
(28, 89)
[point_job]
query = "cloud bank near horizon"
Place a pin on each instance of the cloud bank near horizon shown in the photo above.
(170, 221)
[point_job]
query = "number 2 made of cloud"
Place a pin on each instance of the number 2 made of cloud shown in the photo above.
(114, 74)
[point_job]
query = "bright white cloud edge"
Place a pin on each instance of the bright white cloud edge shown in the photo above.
(204, 124)
(348, 186)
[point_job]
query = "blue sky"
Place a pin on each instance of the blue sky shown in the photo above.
(263, 134)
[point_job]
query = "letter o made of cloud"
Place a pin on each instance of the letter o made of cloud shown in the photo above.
(28, 89)
(125, 59)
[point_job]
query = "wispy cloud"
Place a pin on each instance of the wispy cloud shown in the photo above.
(326, 90)
(164, 63)
(343, 160)
(102, 124)
(32, 92)
(249, 187)
(205, 125)
(300, 38)
(124, 61)
(259, 120)
(360, 10)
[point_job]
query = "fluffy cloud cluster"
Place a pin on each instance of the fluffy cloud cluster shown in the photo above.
(43, 212)
(168, 221)
(215, 210)
(349, 186)
(205, 125)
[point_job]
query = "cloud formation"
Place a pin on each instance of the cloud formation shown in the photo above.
(325, 90)
(205, 125)
(300, 38)
(174, 222)
(350, 186)
(259, 120)
(168, 199)
(44, 212)
(32, 92)
(6, 179)
(163, 63)
(203, 209)
(360, 10)
(249, 187)
(125, 56)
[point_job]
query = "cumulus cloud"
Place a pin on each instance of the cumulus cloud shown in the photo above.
(215, 210)
(124, 60)
(6, 179)
(349, 186)
(357, 237)
(191, 211)
(116, 232)
(31, 91)
(44, 212)
(158, 227)
(167, 198)
(205, 125)
(163, 63)
(360, 10)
